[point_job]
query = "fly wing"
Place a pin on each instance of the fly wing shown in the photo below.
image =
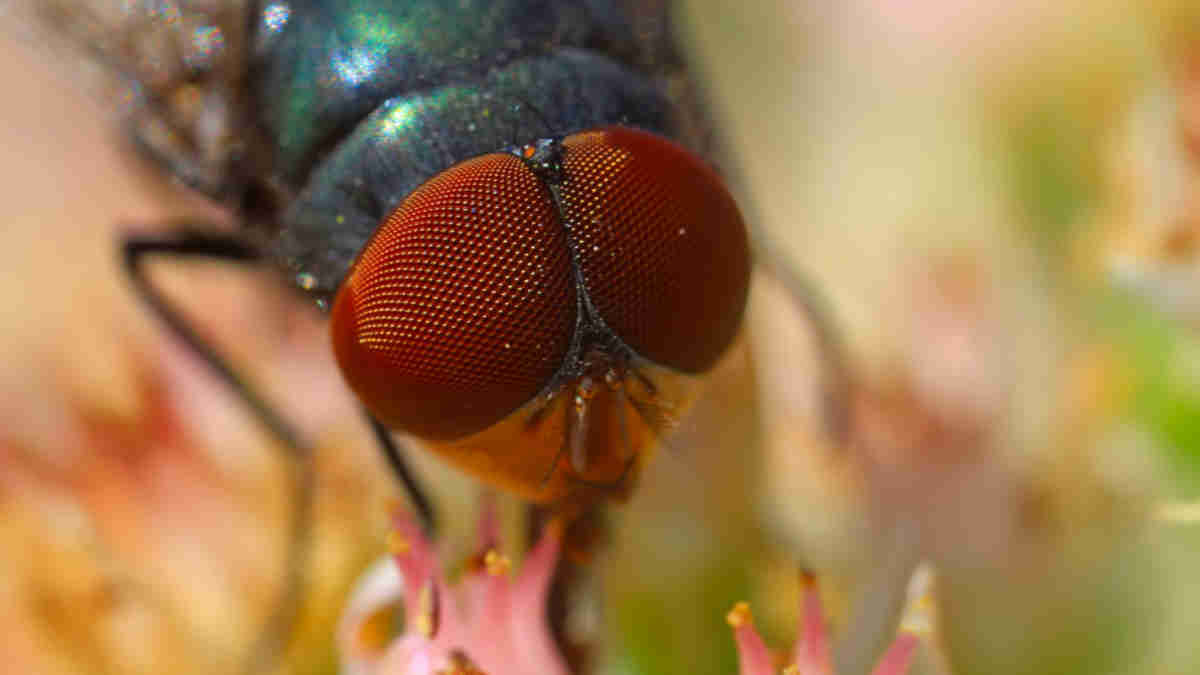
(172, 71)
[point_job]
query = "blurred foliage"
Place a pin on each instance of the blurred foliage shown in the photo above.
(1165, 396)
(1055, 175)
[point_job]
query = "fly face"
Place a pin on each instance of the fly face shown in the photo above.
(562, 289)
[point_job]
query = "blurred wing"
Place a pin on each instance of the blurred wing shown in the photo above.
(799, 352)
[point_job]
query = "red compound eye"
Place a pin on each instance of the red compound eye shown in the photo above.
(462, 306)
(660, 242)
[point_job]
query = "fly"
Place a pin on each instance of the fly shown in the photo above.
(501, 204)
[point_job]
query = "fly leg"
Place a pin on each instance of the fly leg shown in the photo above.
(223, 247)
(836, 376)
(135, 251)
(399, 464)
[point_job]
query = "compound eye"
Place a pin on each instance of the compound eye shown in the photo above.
(660, 243)
(461, 307)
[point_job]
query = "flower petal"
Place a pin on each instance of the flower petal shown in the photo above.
(811, 654)
(753, 656)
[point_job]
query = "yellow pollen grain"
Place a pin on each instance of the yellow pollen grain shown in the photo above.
(398, 544)
(1178, 512)
(808, 579)
(496, 564)
(739, 616)
(424, 624)
(459, 667)
(375, 633)
(555, 528)
(791, 670)
(916, 619)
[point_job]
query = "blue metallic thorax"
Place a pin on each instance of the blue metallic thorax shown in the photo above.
(361, 101)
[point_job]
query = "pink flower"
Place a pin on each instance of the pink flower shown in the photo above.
(810, 656)
(491, 622)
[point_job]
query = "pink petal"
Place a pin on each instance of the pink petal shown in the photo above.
(753, 656)
(491, 606)
(498, 622)
(412, 655)
(898, 657)
(415, 557)
(533, 643)
(488, 529)
(811, 653)
(534, 581)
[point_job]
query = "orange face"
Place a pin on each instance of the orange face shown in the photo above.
(539, 316)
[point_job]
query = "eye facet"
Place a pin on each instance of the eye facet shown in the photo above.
(461, 307)
(660, 243)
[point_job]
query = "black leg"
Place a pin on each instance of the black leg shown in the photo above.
(400, 467)
(197, 245)
(135, 250)
(190, 244)
(187, 244)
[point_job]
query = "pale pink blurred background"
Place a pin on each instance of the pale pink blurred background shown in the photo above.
(969, 184)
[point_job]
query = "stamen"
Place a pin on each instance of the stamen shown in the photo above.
(460, 664)
(739, 616)
(1178, 512)
(496, 564)
(426, 620)
(398, 544)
